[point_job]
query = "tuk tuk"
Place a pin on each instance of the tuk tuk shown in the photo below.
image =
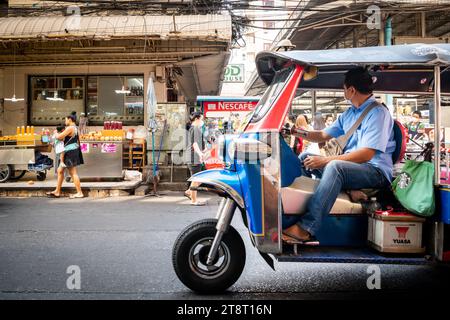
(261, 178)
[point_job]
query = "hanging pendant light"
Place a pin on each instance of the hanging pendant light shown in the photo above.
(14, 99)
(55, 93)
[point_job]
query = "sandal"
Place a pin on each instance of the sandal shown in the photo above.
(76, 196)
(52, 195)
(311, 241)
(187, 195)
(198, 203)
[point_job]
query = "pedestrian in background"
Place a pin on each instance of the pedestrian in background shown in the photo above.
(329, 119)
(297, 143)
(195, 154)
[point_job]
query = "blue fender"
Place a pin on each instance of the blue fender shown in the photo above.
(224, 180)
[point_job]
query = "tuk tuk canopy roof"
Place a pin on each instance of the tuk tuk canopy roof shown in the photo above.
(399, 68)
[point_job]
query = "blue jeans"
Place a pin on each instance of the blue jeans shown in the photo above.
(337, 175)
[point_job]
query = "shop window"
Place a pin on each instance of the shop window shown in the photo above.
(53, 98)
(118, 98)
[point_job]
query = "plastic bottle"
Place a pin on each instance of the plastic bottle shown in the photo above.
(374, 205)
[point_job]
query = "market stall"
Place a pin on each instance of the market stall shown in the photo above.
(22, 152)
(102, 153)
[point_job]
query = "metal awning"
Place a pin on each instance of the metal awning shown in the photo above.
(205, 27)
(202, 76)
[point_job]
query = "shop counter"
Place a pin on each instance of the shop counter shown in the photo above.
(102, 160)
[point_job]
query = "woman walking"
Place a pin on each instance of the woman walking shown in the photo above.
(72, 157)
(195, 154)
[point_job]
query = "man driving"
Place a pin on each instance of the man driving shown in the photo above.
(366, 161)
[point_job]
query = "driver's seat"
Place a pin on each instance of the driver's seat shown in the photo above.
(295, 197)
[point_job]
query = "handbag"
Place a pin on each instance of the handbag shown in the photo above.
(414, 187)
(335, 146)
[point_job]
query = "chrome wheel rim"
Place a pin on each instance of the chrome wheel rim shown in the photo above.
(198, 255)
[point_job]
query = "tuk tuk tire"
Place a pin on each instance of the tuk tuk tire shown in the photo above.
(232, 246)
(6, 171)
(41, 176)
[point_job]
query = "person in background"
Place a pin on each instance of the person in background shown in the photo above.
(195, 154)
(329, 119)
(288, 124)
(416, 128)
(297, 143)
(72, 157)
(318, 122)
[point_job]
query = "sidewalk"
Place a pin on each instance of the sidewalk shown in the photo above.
(29, 186)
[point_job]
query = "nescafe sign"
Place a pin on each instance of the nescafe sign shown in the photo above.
(229, 106)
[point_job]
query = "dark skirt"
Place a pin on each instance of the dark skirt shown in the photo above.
(73, 158)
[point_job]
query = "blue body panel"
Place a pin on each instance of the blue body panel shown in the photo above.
(250, 178)
(290, 168)
(251, 183)
(222, 175)
(348, 231)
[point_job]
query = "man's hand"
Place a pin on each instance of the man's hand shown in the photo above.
(316, 162)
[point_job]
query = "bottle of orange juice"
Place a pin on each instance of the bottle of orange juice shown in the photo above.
(17, 130)
(22, 130)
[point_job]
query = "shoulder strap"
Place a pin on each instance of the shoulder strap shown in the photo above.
(75, 135)
(355, 126)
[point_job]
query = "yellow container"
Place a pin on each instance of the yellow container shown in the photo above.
(113, 133)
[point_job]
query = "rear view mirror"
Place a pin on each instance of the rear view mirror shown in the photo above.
(248, 149)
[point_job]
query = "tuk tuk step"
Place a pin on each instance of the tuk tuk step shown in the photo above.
(349, 255)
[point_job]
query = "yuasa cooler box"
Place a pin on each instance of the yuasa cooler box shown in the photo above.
(395, 232)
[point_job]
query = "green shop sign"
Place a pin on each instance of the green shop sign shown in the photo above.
(234, 73)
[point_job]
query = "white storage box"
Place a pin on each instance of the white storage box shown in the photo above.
(396, 232)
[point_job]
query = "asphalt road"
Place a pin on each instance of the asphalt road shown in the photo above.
(123, 249)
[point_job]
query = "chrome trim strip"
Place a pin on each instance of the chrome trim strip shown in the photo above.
(223, 186)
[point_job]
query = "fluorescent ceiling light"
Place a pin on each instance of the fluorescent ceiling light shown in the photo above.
(122, 91)
(14, 99)
(55, 97)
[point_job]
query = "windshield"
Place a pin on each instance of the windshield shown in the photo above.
(271, 94)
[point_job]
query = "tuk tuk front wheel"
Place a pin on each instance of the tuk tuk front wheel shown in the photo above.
(190, 253)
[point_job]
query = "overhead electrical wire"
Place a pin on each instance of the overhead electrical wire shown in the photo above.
(244, 14)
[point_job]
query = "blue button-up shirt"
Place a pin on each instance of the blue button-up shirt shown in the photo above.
(375, 132)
